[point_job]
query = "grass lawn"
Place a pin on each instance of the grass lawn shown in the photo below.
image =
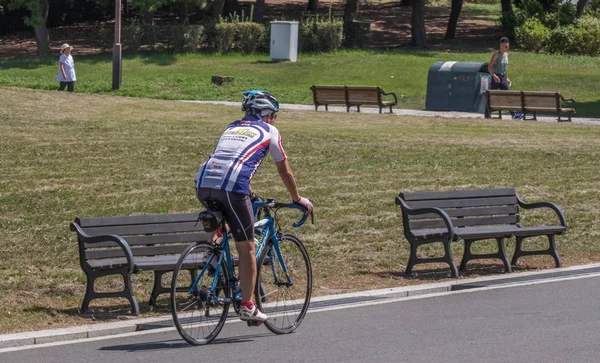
(188, 76)
(66, 155)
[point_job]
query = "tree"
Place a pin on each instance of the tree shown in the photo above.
(506, 6)
(418, 33)
(313, 5)
(259, 11)
(37, 18)
(351, 10)
(147, 8)
(581, 6)
(453, 20)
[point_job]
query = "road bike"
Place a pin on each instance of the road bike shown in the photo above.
(200, 301)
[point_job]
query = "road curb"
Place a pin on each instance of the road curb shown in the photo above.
(134, 325)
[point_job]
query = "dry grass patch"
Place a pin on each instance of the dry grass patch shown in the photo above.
(67, 155)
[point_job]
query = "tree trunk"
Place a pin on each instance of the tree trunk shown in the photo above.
(418, 33)
(351, 10)
(231, 7)
(506, 6)
(183, 8)
(453, 20)
(581, 6)
(405, 2)
(259, 11)
(42, 38)
(313, 5)
(217, 9)
(147, 17)
(39, 17)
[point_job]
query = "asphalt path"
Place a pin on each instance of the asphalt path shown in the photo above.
(549, 322)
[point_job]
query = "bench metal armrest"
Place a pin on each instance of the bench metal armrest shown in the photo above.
(417, 211)
(554, 207)
(392, 94)
(85, 238)
(570, 100)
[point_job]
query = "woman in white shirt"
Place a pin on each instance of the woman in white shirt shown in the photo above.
(66, 69)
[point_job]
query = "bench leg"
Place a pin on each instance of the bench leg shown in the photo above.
(562, 119)
(127, 292)
(135, 309)
(326, 108)
(160, 289)
(380, 110)
(391, 110)
(552, 251)
(501, 254)
(413, 259)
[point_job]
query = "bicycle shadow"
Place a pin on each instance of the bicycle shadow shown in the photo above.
(180, 344)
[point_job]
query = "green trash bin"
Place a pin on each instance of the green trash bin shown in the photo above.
(457, 86)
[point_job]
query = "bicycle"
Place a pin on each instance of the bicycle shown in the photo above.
(284, 277)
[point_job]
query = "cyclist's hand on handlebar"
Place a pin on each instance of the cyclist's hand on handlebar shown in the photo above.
(306, 203)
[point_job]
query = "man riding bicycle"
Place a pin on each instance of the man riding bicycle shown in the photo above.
(226, 175)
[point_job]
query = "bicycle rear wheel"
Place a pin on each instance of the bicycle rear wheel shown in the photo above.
(284, 298)
(199, 312)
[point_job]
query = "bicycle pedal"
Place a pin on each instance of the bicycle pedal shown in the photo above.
(254, 323)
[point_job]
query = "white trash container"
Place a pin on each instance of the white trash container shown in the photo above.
(284, 40)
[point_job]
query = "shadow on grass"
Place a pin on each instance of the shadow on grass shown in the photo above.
(588, 109)
(28, 63)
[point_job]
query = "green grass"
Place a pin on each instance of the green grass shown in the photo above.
(66, 155)
(188, 77)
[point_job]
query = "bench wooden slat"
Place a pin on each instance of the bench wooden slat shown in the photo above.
(351, 96)
(456, 194)
(156, 239)
(138, 229)
(470, 212)
(86, 222)
(137, 251)
(491, 231)
(155, 263)
(461, 203)
(464, 222)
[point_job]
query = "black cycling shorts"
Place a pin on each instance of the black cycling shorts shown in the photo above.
(237, 209)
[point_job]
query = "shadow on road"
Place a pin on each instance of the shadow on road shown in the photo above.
(180, 343)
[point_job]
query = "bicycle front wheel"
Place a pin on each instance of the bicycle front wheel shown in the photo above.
(284, 297)
(199, 311)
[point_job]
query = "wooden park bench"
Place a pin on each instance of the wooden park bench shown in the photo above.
(352, 96)
(126, 245)
(529, 102)
(472, 215)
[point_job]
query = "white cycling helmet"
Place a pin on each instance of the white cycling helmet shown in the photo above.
(259, 102)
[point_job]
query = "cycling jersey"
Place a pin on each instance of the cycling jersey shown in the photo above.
(241, 148)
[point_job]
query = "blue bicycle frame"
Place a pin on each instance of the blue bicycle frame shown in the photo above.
(266, 227)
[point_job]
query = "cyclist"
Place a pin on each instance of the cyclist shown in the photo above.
(226, 175)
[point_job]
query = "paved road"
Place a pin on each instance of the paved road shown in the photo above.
(550, 322)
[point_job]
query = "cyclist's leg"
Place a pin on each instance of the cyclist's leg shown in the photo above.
(237, 209)
(241, 221)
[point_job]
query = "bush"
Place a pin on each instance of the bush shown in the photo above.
(587, 35)
(355, 33)
(237, 33)
(225, 37)
(562, 40)
(186, 38)
(132, 35)
(250, 36)
(321, 34)
(532, 35)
